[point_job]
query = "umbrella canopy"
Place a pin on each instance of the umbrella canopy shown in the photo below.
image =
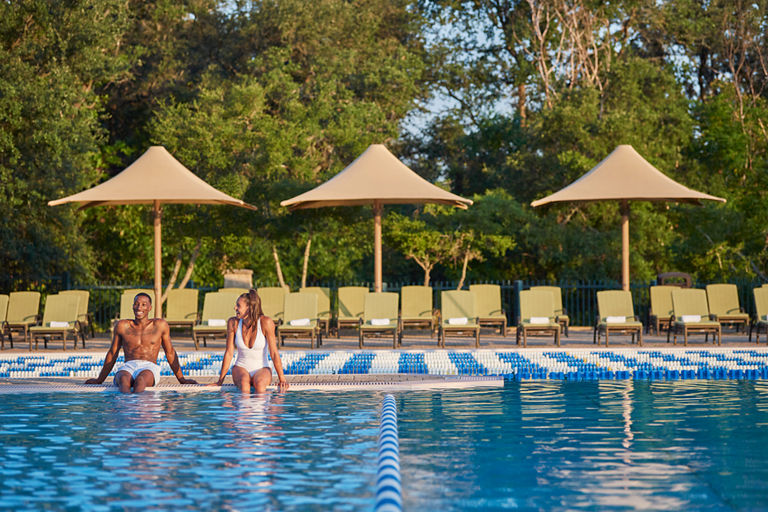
(625, 176)
(155, 178)
(376, 177)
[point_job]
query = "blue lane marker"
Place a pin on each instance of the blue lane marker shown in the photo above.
(305, 365)
(412, 362)
(467, 364)
(359, 363)
(389, 492)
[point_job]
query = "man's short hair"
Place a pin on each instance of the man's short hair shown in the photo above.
(142, 294)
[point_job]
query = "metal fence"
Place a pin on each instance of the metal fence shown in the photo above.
(579, 296)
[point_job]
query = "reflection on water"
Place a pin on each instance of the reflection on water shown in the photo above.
(206, 451)
(548, 445)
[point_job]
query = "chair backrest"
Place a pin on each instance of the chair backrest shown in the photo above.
(761, 302)
(381, 305)
(323, 300)
(23, 307)
(3, 307)
(84, 296)
(182, 305)
(487, 299)
(723, 299)
(416, 302)
(615, 303)
(661, 300)
(457, 304)
(352, 301)
(690, 301)
(218, 306)
(557, 297)
(537, 303)
(300, 305)
(234, 290)
(273, 301)
(61, 308)
(126, 301)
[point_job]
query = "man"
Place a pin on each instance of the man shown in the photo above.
(140, 339)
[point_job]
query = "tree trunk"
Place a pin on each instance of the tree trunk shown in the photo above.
(191, 265)
(521, 103)
(277, 267)
(463, 270)
(306, 262)
(174, 276)
(427, 271)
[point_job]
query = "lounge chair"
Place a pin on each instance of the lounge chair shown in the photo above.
(323, 305)
(457, 315)
(234, 290)
(761, 313)
(23, 309)
(273, 301)
(380, 316)
(488, 306)
(83, 316)
(661, 311)
(300, 319)
(416, 308)
(3, 312)
(60, 318)
(561, 315)
(691, 315)
(181, 307)
(351, 305)
(616, 315)
(724, 307)
(537, 315)
(218, 307)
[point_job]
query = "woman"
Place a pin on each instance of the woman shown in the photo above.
(253, 334)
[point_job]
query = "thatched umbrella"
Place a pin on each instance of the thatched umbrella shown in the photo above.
(155, 178)
(375, 178)
(625, 176)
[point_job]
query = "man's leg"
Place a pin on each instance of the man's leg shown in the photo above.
(123, 380)
(262, 379)
(241, 379)
(145, 379)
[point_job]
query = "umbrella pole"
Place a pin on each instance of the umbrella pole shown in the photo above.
(157, 215)
(377, 245)
(625, 245)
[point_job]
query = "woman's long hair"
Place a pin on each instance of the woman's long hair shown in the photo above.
(253, 301)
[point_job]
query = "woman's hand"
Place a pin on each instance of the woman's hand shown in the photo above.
(282, 385)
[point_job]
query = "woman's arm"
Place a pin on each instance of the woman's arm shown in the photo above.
(231, 328)
(268, 327)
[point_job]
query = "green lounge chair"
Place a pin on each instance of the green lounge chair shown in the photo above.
(218, 307)
(23, 309)
(724, 307)
(616, 315)
(457, 315)
(761, 313)
(380, 316)
(3, 312)
(561, 315)
(488, 306)
(661, 311)
(60, 317)
(273, 301)
(351, 305)
(691, 315)
(416, 309)
(300, 318)
(83, 316)
(537, 315)
(234, 290)
(181, 307)
(323, 305)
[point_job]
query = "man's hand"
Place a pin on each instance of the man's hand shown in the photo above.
(187, 381)
(92, 381)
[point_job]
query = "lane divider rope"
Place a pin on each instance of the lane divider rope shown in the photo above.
(388, 489)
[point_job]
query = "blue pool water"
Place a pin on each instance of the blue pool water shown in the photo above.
(541, 445)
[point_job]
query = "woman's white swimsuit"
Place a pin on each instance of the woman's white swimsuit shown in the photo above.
(255, 358)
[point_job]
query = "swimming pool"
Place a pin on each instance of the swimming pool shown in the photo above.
(538, 445)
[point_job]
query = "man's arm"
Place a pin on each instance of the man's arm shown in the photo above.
(111, 357)
(171, 357)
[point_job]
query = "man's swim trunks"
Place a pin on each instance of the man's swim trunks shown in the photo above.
(136, 366)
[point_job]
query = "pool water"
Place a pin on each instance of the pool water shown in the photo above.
(540, 445)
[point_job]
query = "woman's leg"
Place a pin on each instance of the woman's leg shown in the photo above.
(261, 379)
(241, 378)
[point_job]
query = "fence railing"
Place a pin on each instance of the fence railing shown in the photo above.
(579, 296)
